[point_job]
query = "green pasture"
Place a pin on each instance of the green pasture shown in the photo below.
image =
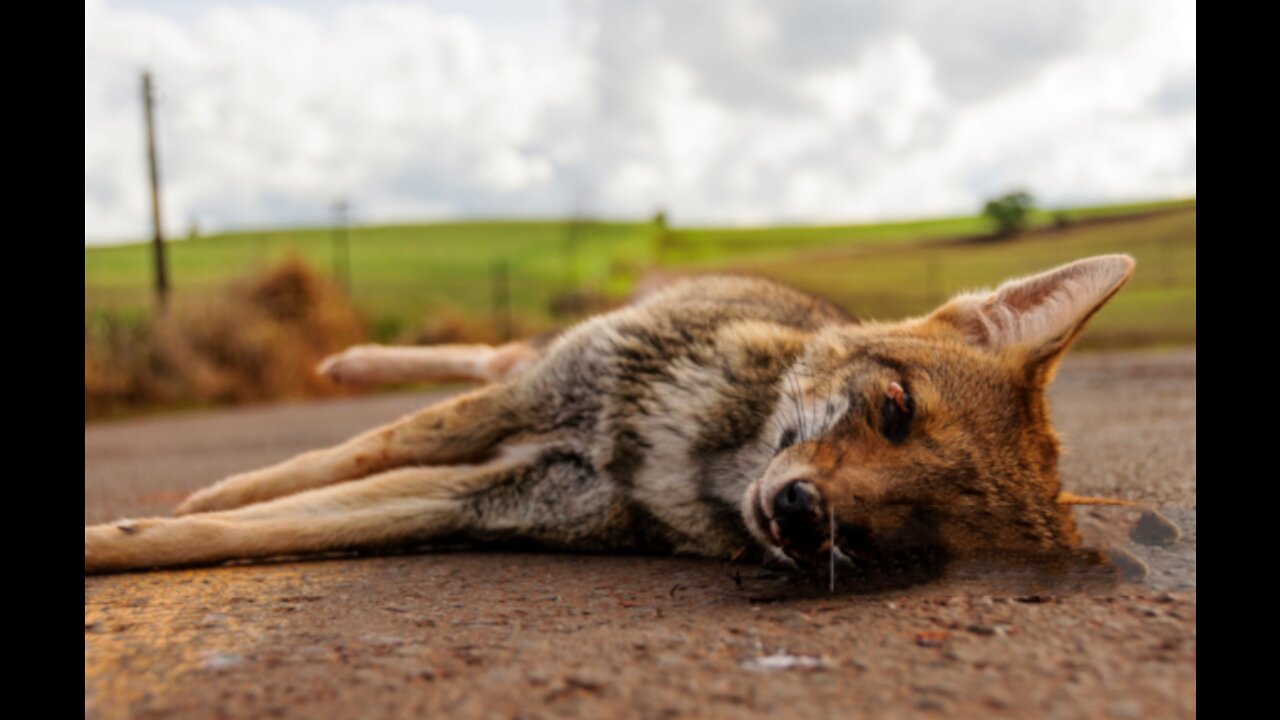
(1157, 307)
(403, 276)
(716, 244)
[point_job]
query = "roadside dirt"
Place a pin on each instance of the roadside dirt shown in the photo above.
(464, 634)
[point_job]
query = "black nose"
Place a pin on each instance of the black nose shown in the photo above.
(797, 501)
(796, 510)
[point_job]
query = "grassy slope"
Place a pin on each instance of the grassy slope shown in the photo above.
(402, 274)
(711, 244)
(1158, 306)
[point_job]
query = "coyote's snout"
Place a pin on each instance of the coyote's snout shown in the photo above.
(717, 413)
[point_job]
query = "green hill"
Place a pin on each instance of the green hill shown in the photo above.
(403, 276)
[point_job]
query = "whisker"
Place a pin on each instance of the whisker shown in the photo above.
(801, 411)
(843, 560)
(831, 516)
(797, 401)
(791, 398)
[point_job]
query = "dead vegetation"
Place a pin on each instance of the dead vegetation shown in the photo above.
(256, 340)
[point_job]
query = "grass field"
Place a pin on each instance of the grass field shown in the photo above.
(713, 244)
(404, 276)
(1157, 307)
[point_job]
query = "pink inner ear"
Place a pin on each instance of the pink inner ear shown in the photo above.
(1047, 309)
(1026, 296)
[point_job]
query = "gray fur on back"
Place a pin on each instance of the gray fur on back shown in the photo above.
(653, 419)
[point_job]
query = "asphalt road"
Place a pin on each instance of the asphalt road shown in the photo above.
(466, 634)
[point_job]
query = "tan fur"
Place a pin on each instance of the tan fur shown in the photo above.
(456, 430)
(381, 510)
(379, 364)
(676, 425)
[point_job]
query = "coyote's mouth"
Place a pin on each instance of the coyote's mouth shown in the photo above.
(816, 543)
(793, 522)
(797, 527)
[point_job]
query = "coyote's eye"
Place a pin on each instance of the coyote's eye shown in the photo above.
(895, 414)
(787, 440)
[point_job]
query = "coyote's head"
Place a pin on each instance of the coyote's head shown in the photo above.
(930, 433)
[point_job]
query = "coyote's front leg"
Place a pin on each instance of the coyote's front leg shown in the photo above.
(375, 364)
(461, 429)
(399, 507)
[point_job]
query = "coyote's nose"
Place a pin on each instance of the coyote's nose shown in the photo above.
(794, 502)
(795, 510)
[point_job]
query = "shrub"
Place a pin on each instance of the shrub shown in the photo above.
(255, 340)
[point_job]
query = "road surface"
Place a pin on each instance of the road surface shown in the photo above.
(502, 635)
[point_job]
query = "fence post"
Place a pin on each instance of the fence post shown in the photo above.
(341, 252)
(932, 280)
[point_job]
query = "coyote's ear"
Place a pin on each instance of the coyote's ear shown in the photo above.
(1038, 316)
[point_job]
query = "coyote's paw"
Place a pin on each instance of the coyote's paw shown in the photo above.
(349, 367)
(112, 546)
(210, 499)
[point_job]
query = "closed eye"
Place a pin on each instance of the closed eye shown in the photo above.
(787, 440)
(896, 413)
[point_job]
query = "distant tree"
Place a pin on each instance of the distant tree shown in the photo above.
(1009, 212)
(661, 235)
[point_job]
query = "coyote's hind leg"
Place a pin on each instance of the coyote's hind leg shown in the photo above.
(374, 364)
(460, 429)
(399, 507)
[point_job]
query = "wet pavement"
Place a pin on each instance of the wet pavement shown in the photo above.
(467, 634)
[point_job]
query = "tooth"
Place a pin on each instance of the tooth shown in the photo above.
(843, 560)
(762, 505)
(775, 557)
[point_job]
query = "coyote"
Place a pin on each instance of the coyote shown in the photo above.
(716, 414)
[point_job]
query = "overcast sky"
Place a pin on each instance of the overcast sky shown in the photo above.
(740, 111)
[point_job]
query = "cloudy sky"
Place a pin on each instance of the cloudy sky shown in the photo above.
(734, 111)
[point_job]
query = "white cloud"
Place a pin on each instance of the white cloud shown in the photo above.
(267, 114)
(741, 111)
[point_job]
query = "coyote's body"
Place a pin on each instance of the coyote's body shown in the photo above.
(716, 414)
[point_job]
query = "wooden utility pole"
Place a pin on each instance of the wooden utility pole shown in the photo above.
(160, 265)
